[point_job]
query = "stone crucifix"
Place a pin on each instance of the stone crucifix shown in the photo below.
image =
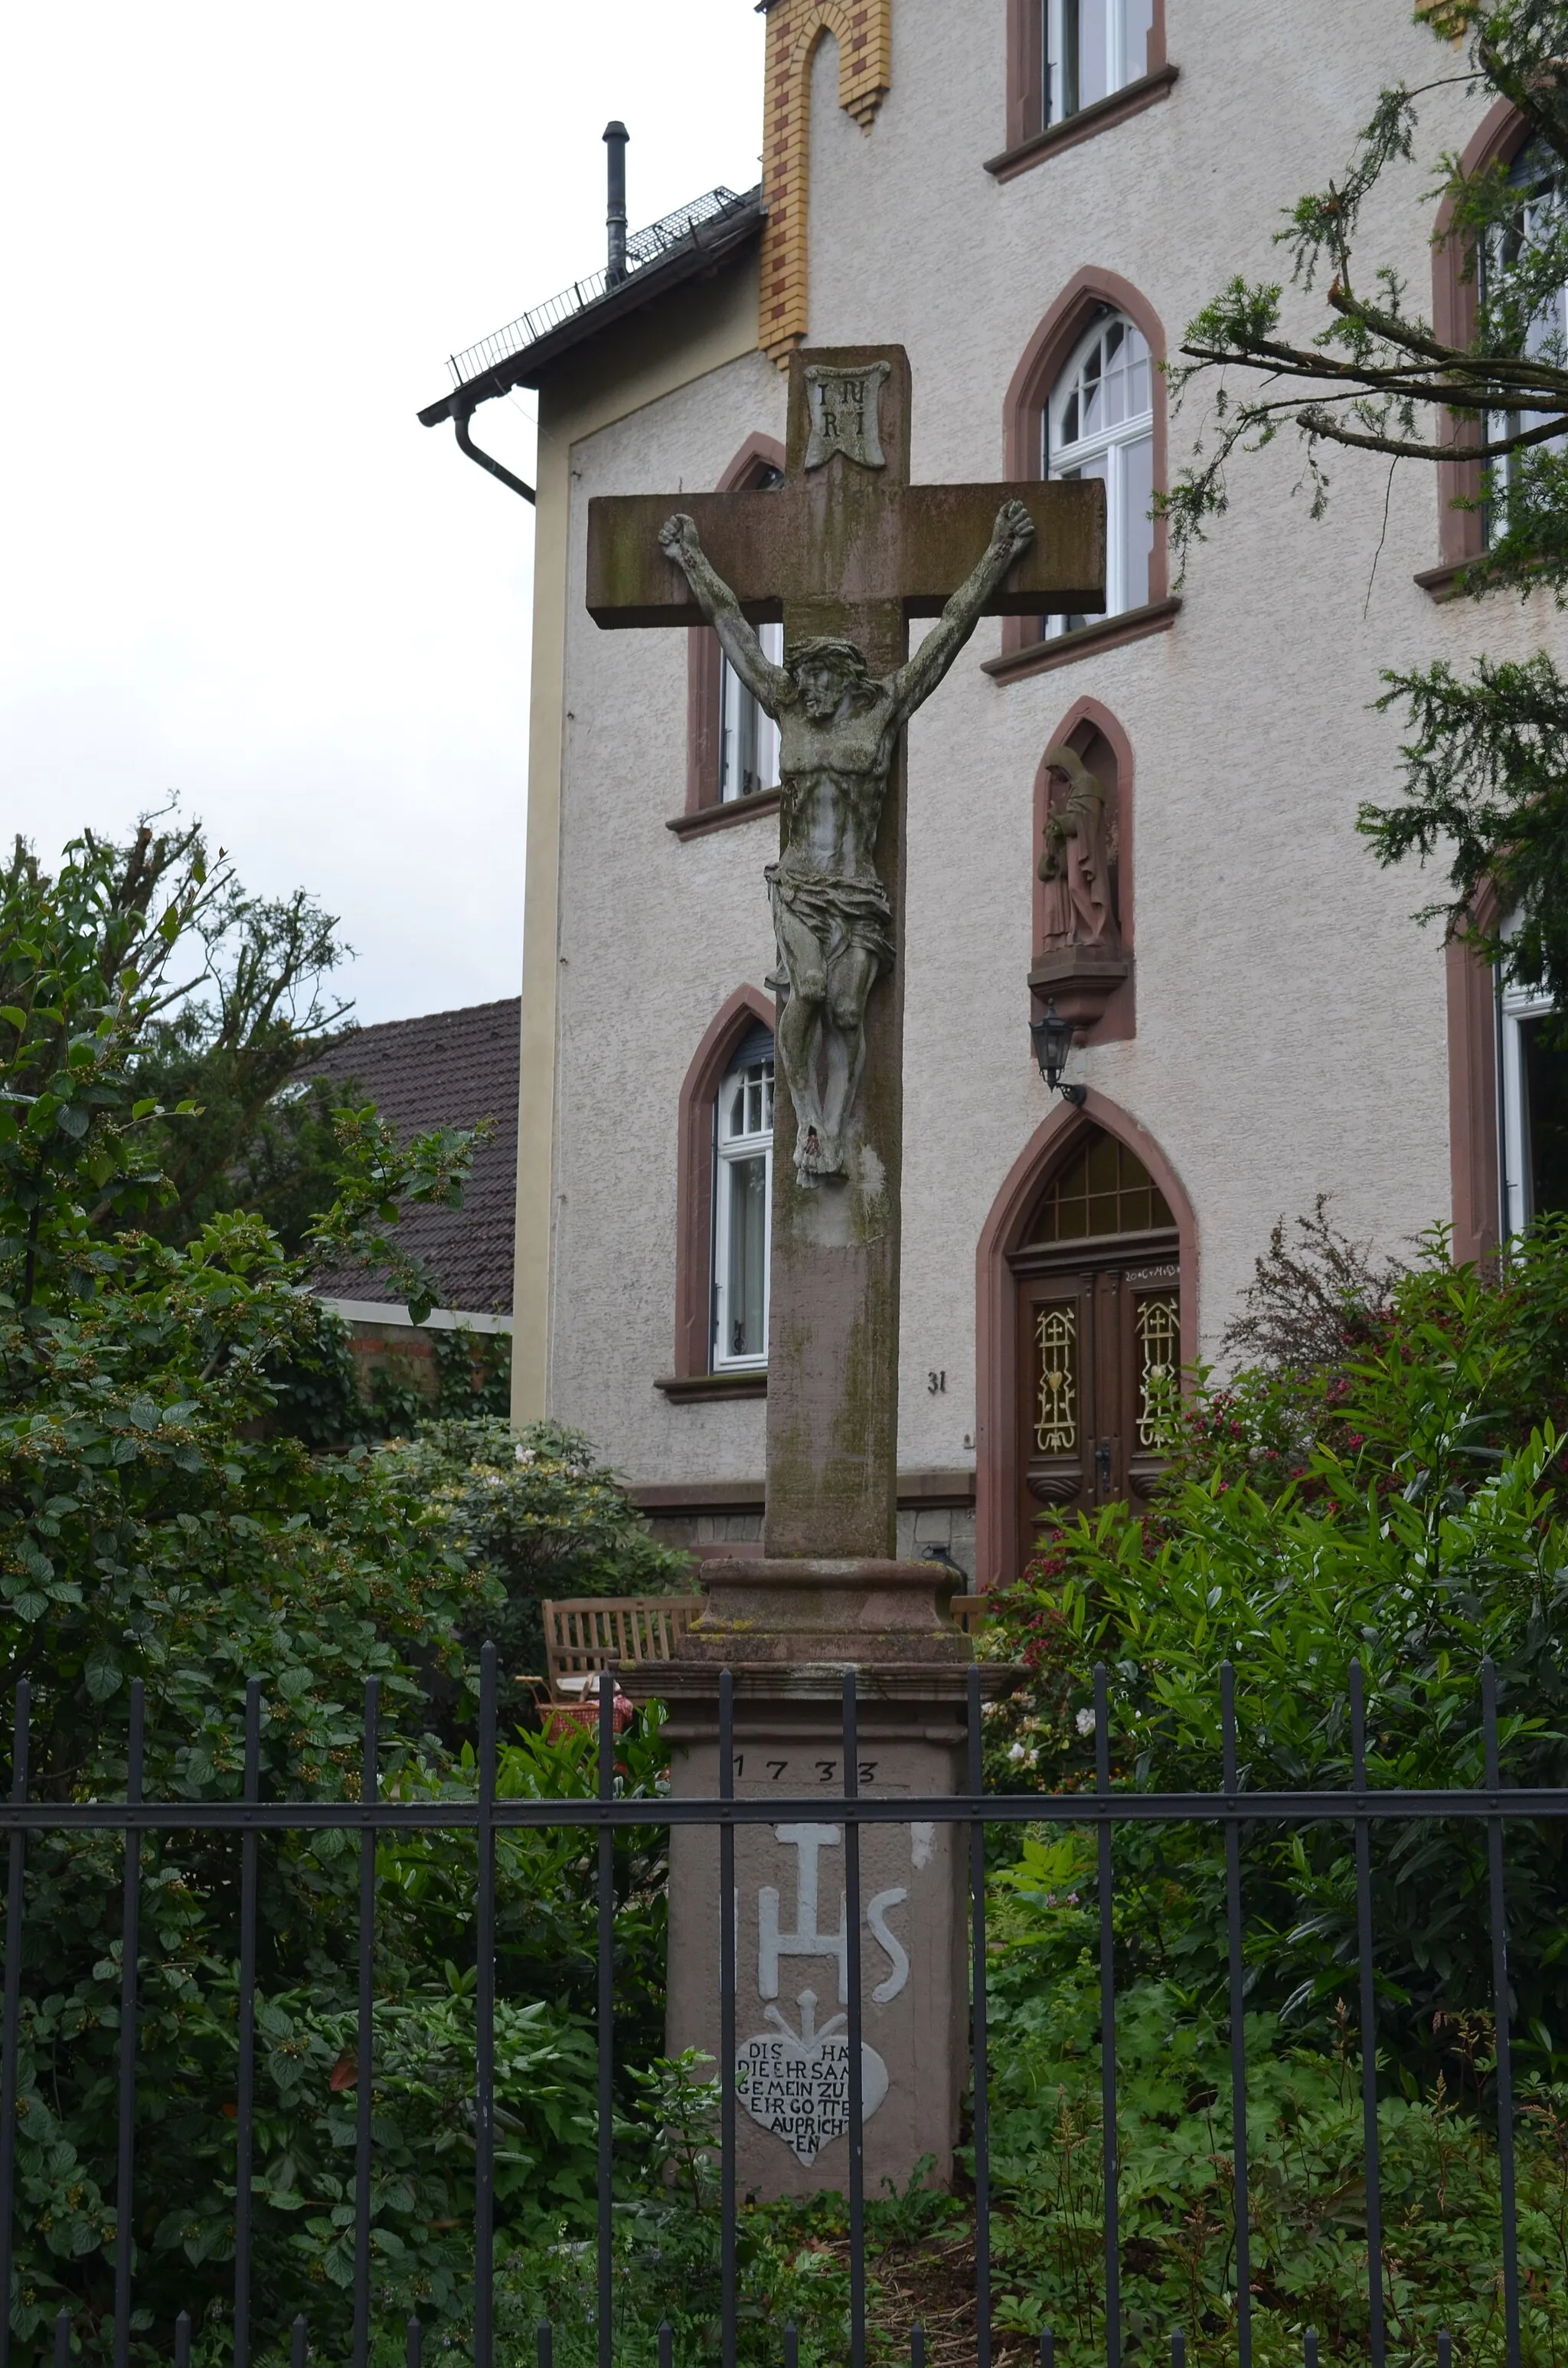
(846, 552)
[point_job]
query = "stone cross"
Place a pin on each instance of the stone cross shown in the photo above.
(846, 552)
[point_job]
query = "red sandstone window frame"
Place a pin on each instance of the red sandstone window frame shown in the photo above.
(1087, 294)
(1030, 140)
(1461, 533)
(1118, 1024)
(705, 809)
(692, 1375)
(1475, 1115)
(998, 1548)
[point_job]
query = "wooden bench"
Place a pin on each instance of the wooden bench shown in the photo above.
(584, 1634)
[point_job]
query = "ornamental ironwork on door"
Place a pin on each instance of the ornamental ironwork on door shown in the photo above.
(1098, 1282)
(1157, 1326)
(1056, 1397)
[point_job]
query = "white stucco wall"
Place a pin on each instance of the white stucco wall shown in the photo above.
(1292, 1027)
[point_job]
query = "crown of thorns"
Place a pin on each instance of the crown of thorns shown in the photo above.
(824, 650)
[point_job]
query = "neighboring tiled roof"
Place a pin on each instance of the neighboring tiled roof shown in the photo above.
(450, 1068)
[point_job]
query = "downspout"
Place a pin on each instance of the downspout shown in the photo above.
(466, 444)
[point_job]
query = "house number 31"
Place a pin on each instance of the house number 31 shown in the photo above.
(937, 1384)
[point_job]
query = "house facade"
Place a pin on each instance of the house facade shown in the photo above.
(1147, 818)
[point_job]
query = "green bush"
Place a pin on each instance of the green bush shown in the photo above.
(1393, 1504)
(159, 1523)
(539, 1515)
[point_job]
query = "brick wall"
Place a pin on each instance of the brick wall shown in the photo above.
(863, 29)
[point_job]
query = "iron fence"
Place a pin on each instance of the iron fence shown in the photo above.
(373, 1815)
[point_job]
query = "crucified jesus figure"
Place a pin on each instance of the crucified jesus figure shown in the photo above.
(838, 729)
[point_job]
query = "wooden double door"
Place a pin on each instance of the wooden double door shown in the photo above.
(1098, 1361)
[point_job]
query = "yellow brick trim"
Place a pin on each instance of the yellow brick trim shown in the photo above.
(863, 29)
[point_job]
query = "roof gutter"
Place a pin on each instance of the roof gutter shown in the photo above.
(466, 444)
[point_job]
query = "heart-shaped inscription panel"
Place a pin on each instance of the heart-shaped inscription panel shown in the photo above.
(798, 2086)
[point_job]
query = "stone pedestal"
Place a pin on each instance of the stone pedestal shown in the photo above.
(1080, 981)
(788, 1631)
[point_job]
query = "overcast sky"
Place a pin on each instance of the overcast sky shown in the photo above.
(241, 241)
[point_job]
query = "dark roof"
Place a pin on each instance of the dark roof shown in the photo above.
(450, 1068)
(705, 246)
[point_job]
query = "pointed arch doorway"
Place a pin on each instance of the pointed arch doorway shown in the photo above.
(1087, 1313)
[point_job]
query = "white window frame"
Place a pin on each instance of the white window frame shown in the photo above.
(1515, 1006)
(1111, 443)
(1120, 66)
(728, 1150)
(738, 712)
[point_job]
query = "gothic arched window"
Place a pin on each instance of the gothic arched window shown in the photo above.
(1087, 399)
(743, 1194)
(1099, 422)
(1537, 174)
(1500, 143)
(723, 1175)
(732, 766)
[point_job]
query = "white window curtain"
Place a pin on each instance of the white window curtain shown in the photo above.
(1537, 174)
(742, 1197)
(1092, 47)
(1099, 423)
(749, 761)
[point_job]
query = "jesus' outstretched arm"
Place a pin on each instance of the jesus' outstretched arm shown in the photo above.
(769, 684)
(914, 682)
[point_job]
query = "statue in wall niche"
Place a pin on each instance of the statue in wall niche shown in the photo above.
(1074, 861)
(838, 728)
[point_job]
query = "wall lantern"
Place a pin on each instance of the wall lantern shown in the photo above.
(1052, 1037)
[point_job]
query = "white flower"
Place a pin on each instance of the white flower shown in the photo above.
(1018, 1753)
(1084, 1722)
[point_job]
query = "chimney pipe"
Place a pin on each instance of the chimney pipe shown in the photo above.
(616, 138)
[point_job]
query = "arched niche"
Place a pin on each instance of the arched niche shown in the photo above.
(1106, 1278)
(1091, 983)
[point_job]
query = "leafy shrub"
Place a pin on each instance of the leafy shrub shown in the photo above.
(539, 1515)
(159, 1523)
(1393, 1503)
(1175, 2135)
